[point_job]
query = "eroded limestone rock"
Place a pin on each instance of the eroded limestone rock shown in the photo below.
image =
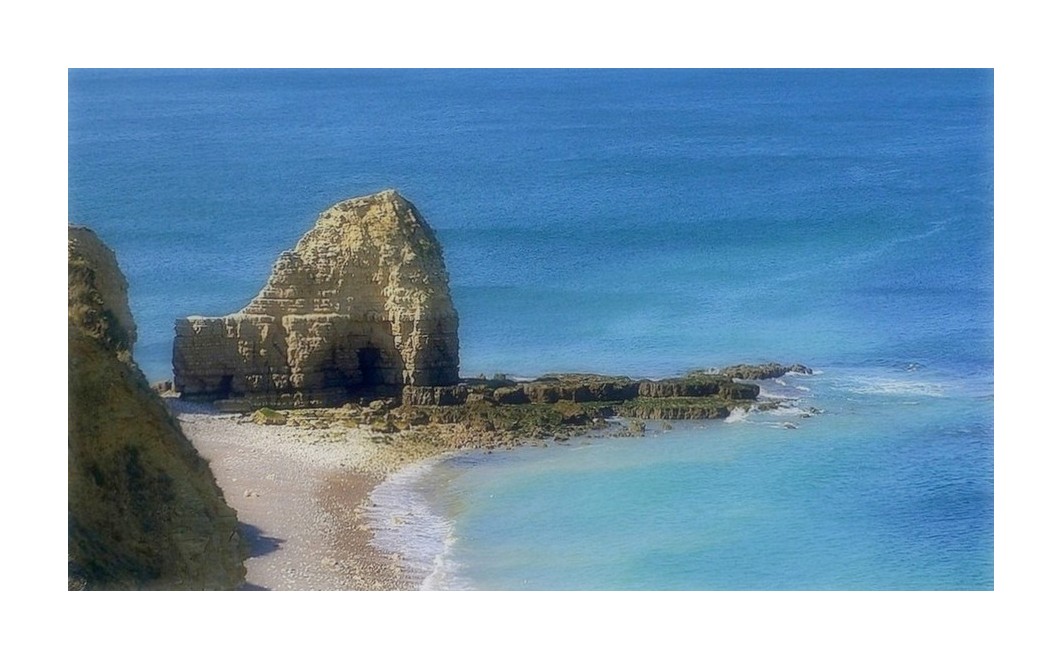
(361, 306)
(98, 298)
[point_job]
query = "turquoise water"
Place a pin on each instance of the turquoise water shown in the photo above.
(638, 222)
(837, 503)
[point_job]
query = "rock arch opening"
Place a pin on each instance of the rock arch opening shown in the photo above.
(369, 365)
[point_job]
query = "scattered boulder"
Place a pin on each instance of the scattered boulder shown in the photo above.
(268, 417)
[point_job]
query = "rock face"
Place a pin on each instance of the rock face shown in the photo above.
(98, 300)
(360, 307)
(583, 388)
(144, 511)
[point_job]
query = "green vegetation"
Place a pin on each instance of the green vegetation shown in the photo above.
(710, 407)
(269, 417)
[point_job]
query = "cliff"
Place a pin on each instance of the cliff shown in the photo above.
(144, 511)
(360, 307)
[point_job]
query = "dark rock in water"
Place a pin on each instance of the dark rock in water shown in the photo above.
(679, 388)
(580, 388)
(739, 391)
(562, 401)
(698, 386)
(361, 306)
(144, 511)
(676, 409)
(763, 371)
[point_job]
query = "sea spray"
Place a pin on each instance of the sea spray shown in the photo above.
(737, 415)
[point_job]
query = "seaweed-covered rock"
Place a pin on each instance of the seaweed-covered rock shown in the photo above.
(763, 371)
(268, 417)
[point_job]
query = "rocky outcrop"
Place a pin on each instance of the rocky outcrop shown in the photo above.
(144, 511)
(98, 299)
(360, 307)
(581, 388)
(763, 371)
(674, 409)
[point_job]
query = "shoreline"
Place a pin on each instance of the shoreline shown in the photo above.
(301, 496)
(301, 481)
(302, 493)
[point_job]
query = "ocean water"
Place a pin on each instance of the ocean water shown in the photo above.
(637, 222)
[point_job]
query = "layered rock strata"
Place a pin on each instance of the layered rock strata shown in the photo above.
(144, 511)
(582, 388)
(500, 412)
(360, 307)
(761, 371)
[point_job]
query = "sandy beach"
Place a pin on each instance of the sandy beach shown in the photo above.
(300, 494)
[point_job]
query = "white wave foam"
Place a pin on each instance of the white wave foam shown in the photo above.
(404, 523)
(737, 415)
(885, 386)
(784, 389)
(787, 411)
(443, 575)
(772, 395)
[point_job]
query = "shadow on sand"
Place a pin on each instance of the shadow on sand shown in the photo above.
(258, 544)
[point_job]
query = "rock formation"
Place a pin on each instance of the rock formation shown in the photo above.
(360, 307)
(98, 301)
(583, 388)
(763, 371)
(144, 510)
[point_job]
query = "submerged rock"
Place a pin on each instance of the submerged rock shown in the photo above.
(361, 306)
(144, 511)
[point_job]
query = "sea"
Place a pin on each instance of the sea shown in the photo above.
(636, 222)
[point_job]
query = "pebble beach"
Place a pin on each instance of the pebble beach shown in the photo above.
(300, 494)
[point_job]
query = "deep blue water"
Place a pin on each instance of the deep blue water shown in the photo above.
(638, 222)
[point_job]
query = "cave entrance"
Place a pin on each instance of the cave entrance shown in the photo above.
(369, 359)
(225, 386)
